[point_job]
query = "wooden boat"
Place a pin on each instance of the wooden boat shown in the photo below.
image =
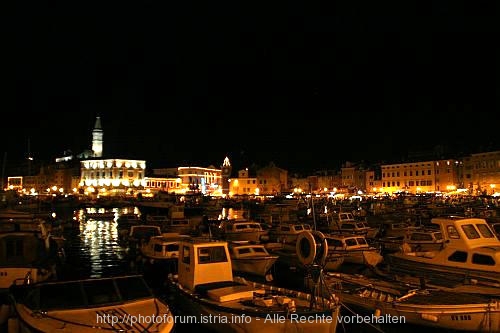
(205, 287)
(471, 254)
(253, 259)
(446, 310)
(114, 304)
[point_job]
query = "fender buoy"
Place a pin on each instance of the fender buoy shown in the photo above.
(321, 247)
(306, 248)
(311, 248)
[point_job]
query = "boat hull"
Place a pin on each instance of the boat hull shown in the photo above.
(219, 318)
(483, 317)
(417, 266)
(394, 302)
(259, 266)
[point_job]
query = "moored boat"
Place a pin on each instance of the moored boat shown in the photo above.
(113, 304)
(354, 248)
(253, 259)
(205, 288)
(162, 248)
(425, 307)
(471, 254)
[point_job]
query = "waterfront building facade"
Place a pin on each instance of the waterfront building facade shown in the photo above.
(112, 176)
(272, 180)
(200, 180)
(244, 184)
(482, 172)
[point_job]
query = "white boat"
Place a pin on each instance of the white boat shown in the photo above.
(346, 223)
(413, 241)
(114, 304)
(445, 310)
(354, 248)
(252, 259)
(206, 288)
(286, 233)
(471, 254)
(241, 230)
(164, 247)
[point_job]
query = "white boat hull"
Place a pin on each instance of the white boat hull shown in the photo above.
(234, 320)
(259, 266)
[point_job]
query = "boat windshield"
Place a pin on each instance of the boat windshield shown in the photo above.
(86, 293)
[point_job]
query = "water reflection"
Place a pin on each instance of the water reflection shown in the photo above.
(93, 249)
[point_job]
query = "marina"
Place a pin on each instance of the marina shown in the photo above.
(94, 250)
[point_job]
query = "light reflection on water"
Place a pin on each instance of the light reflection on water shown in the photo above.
(93, 250)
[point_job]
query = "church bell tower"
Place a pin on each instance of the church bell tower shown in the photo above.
(97, 138)
(225, 174)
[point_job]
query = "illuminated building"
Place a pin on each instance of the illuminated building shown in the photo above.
(200, 180)
(112, 176)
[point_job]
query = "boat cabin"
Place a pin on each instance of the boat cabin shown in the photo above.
(471, 251)
(287, 232)
(242, 230)
(203, 262)
(346, 243)
(466, 233)
(163, 247)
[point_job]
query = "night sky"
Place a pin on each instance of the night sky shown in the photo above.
(305, 84)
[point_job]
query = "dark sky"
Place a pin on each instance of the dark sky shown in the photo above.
(305, 84)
